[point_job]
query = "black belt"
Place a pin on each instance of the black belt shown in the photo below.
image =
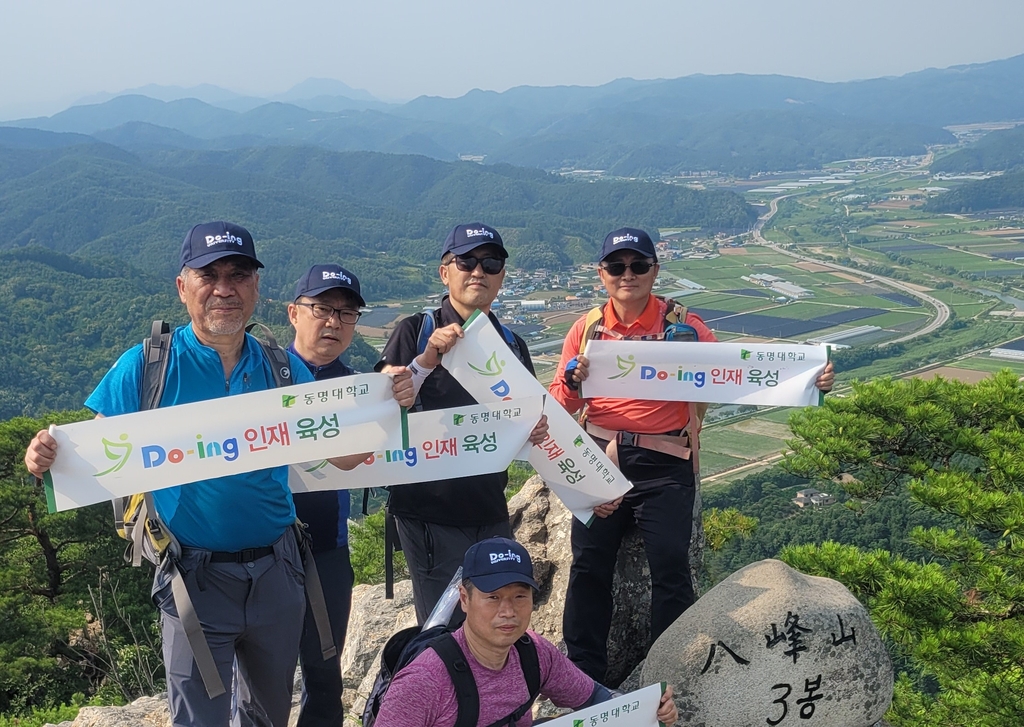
(242, 556)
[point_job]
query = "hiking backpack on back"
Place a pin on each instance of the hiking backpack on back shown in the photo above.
(150, 540)
(137, 521)
(403, 647)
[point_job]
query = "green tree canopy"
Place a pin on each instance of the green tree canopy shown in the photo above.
(956, 618)
(59, 633)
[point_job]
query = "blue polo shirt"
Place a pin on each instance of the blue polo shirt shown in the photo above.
(325, 513)
(249, 510)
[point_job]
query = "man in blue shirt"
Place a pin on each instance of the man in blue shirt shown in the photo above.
(239, 555)
(324, 314)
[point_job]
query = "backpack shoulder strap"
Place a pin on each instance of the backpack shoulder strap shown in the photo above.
(590, 324)
(510, 339)
(530, 664)
(280, 364)
(428, 323)
(155, 356)
(674, 312)
(462, 678)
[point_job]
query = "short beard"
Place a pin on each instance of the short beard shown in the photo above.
(225, 326)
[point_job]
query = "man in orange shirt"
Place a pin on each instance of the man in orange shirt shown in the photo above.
(651, 441)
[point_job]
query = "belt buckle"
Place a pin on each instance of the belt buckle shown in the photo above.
(627, 438)
(247, 556)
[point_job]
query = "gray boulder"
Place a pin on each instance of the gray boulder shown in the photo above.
(372, 621)
(144, 712)
(770, 645)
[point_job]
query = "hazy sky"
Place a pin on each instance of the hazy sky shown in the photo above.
(54, 52)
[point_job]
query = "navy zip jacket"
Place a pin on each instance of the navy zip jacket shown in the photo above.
(324, 513)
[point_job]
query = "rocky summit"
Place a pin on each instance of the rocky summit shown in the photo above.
(770, 645)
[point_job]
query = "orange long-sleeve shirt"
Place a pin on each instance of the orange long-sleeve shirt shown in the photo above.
(629, 415)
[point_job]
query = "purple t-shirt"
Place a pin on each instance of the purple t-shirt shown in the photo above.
(422, 694)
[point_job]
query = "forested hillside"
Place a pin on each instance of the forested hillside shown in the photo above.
(1002, 192)
(384, 215)
(90, 236)
(994, 152)
(646, 141)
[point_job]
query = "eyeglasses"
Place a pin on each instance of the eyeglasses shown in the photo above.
(468, 263)
(324, 312)
(639, 267)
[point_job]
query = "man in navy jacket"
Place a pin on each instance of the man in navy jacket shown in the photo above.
(324, 314)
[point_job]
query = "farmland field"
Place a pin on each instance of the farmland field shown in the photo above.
(990, 364)
(711, 462)
(737, 443)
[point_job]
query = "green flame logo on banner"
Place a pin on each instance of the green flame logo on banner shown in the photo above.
(119, 452)
(626, 366)
(493, 367)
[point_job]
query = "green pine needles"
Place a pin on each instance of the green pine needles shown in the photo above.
(955, 621)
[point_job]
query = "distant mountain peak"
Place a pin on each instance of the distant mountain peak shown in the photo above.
(314, 87)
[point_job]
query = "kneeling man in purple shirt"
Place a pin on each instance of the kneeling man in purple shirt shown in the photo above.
(497, 595)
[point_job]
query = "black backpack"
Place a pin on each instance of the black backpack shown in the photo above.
(407, 644)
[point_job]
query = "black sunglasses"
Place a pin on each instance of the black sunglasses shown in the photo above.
(468, 263)
(639, 267)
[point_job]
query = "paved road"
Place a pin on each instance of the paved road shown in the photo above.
(941, 309)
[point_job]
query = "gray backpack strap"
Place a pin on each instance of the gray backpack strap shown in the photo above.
(156, 355)
(315, 595)
(194, 633)
(139, 531)
(183, 604)
(277, 357)
(281, 368)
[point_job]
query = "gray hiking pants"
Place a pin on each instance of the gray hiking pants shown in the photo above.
(251, 612)
(434, 552)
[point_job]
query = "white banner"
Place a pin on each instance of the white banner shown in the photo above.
(635, 709)
(772, 374)
(101, 459)
(575, 468)
(461, 442)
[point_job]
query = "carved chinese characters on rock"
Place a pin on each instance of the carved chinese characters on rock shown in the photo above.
(795, 638)
(775, 647)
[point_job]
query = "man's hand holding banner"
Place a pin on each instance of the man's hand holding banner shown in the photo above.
(575, 468)
(772, 374)
(105, 458)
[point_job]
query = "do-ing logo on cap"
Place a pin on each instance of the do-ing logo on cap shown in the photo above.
(625, 238)
(479, 233)
(329, 275)
(228, 238)
(505, 557)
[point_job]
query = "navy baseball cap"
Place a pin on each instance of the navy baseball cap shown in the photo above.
(321, 278)
(497, 562)
(628, 238)
(213, 240)
(464, 238)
